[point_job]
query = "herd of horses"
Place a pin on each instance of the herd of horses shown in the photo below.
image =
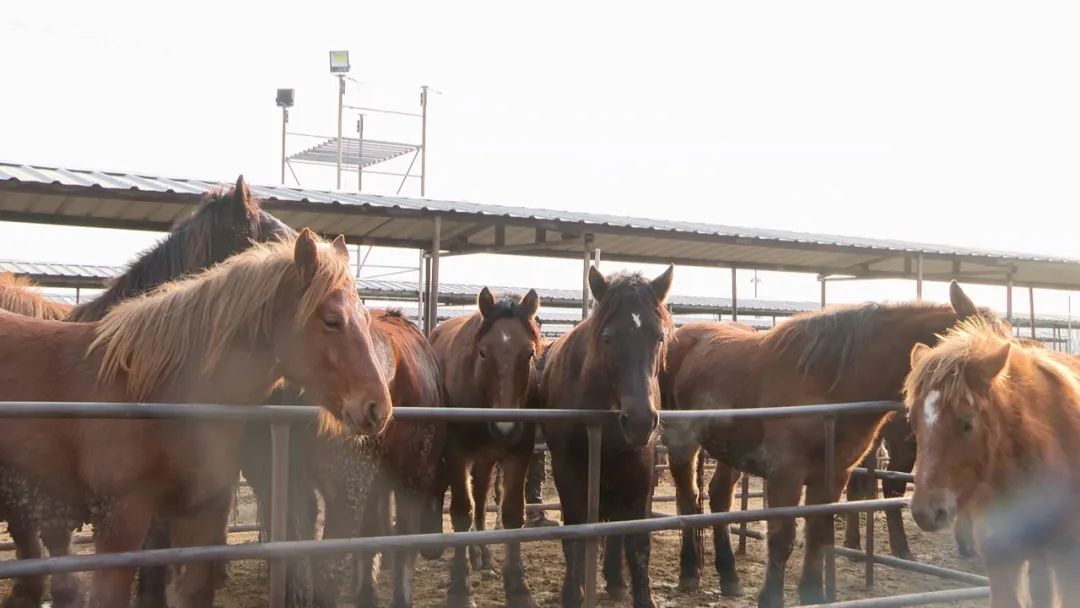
(235, 307)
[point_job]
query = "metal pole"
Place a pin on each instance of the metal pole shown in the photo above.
(340, 112)
(1031, 309)
(360, 155)
(423, 140)
(592, 545)
(823, 280)
(734, 295)
(918, 278)
(1068, 321)
(279, 472)
(871, 466)
(830, 488)
(433, 285)
(284, 121)
(78, 295)
(1008, 301)
(587, 245)
(421, 318)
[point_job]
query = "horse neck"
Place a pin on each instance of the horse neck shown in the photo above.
(243, 376)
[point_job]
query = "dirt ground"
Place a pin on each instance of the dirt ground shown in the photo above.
(246, 587)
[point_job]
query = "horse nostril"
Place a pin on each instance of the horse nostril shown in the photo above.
(624, 419)
(371, 415)
(655, 420)
(941, 516)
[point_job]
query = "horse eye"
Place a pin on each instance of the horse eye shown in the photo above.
(966, 426)
(332, 322)
(483, 355)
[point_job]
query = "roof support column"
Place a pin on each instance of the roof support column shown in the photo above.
(823, 282)
(1031, 308)
(735, 304)
(1008, 300)
(587, 247)
(918, 278)
(432, 316)
(421, 281)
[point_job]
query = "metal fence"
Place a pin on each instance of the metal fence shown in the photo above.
(277, 550)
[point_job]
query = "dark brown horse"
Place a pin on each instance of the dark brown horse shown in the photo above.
(357, 477)
(487, 361)
(225, 223)
(227, 335)
(610, 361)
(841, 354)
(996, 423)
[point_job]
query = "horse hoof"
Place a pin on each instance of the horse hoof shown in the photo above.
(770, 600)
(853, 544)
(460, 600)
(731, 588)
(20, 601)
(433, 553)
(520, 600)
(689, 584)
(965, 551)
(487, 573)
(905, 554)
(811, 595)
(618, 593)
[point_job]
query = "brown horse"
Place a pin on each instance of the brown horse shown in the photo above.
(225, 336)
(996, 424)
(841, 354)
(487, 361)
(225, 223)
(610, 361)
(19, 296)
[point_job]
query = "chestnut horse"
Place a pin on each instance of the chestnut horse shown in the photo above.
(225, 336)
(996, 424)
(18, 295)
(840, 354)
(609, 361)
(487, 361)
(225, 223)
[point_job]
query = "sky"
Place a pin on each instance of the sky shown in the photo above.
(941, 122)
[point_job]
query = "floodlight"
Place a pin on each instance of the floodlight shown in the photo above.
(339, 62)
(285, 98)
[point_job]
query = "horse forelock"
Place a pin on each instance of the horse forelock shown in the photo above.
(509, 308)
(150, 338)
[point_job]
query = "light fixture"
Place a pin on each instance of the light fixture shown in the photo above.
(285, 98)
(339, 62)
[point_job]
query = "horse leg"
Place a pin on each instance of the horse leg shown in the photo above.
(819, 537)
(614, 548)
(480, 555)
(784, 490)
(64, 587)
(964, 534)
(683, 461)
(29, 590)
(120, 524)
(901, 459)
(514, 469)
(570, 481)
(409, 511)
(639, 546)
(721, 488)
(151, 581)
(459, 594)
(341, 519)
(1005, 583)
(1041, 584)
(303, 514)
(376, 522)
(192, 585)
(860, 487)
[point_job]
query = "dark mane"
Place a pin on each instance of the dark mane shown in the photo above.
(508, 308)
(210, 234)
(834, 338)
(397, 317)
(626, 287)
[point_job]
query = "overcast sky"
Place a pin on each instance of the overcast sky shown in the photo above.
(948, 122)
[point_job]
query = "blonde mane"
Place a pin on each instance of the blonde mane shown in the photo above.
(17, 295)
(151, 337)
(943, 369)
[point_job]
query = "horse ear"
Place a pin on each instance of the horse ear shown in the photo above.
(597, 283)
(961, 303)
(662, 284)
(306, 255)
(918, 352)
(530, 303)
(485, 302)
(339, 246)
(981, 371)
(241, 198)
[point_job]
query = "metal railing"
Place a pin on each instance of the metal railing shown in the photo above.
(277, 550)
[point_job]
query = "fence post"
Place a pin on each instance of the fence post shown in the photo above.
(871, 468)
(830, 488)
(592, 545)
(279, 472)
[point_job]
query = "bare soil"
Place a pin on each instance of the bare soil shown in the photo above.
(246, 587)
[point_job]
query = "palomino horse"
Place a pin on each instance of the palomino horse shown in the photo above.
(610, 361)
(841, 354)
(227, 335)
(225, 223)
(996, 424)
(487, 361)
(18, 295)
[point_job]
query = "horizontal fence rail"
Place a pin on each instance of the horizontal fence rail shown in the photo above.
(286, 549)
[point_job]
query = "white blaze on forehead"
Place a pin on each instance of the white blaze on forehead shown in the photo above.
(505, 337)
(636, 318)
(930, 408)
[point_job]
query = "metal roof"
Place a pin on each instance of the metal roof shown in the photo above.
(121, 200)
(372, 152)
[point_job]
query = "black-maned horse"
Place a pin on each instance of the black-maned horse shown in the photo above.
(610, 361)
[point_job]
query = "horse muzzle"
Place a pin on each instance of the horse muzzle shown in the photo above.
(510, 431)
(367, 414)
(933, 510)
(639, 425)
